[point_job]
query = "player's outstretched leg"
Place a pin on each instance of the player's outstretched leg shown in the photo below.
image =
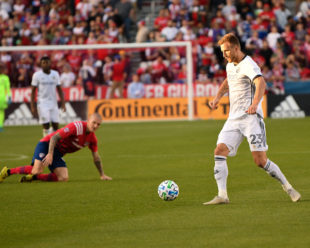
(273, 170)
(51, 177)
(20, 170)
(4, 173)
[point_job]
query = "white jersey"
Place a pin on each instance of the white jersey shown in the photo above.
(241, 87)
(46, 84)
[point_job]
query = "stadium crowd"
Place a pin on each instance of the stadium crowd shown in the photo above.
(277, 39)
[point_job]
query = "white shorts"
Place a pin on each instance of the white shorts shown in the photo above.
(251, 126)
(48, 114)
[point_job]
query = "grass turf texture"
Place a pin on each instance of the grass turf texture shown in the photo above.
(127, 212)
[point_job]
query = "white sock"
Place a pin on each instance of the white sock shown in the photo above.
(45, 132)
(220, 175)
(273, 170)
(50, 130)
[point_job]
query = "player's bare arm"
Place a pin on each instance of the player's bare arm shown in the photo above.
(260, 85)
(222, 91)
(48, 159)
(32, 102)
(98, 163)
(62, 99)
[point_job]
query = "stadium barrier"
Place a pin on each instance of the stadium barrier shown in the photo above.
(159, 109)
(172, 108)
(299, 87)
(18, 114)
(76, 93)
(289, 106)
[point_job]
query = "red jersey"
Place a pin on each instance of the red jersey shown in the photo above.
(118, 71)
(73, 138)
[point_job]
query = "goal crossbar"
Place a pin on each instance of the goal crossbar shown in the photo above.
(186, 44)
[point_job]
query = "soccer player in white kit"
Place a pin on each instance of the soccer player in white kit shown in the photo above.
(246, 87)
(47, 81)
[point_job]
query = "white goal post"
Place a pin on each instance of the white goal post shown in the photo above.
(186, 44)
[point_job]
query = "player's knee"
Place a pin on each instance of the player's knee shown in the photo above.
(221, 149)
(63, 178)
(260, 161)
(36, 171)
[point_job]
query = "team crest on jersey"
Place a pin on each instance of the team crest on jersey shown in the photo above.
(41, 155)
(66, 130)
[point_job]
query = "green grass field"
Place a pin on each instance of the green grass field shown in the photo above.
(127, 212)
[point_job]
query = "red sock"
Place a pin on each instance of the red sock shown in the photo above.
(51, 177)
(21, 170)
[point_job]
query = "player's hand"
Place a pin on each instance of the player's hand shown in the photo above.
(214, 104)
(33, 110)
(63, 107)
(105, 177)
(47, 160)
(252, 109)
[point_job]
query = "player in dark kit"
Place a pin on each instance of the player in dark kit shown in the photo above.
(50, 150)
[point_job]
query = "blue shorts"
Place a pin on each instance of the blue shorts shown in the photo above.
(41, 151)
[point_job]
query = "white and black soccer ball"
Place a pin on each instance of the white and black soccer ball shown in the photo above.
(168, 190)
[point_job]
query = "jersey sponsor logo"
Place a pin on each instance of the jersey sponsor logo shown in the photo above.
(288, 108)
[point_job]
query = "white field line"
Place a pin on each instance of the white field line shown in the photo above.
(9, 156)
(182, 155)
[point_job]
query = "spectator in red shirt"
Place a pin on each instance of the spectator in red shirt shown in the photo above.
(182, 76)
(304, 73)
(259, 27)
(50, 150)
(74, 59)
(161, 21)
(219, 19)
(288, 35)
(159, 70)
(267, 15)
(118, 76)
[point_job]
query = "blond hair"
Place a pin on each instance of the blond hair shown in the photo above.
(231, 38)
(95, 116)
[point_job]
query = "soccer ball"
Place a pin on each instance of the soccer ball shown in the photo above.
(168, 190)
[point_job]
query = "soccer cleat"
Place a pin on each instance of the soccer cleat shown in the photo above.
(27, 179)
(294, 194)
(217, 200)
(4, 173)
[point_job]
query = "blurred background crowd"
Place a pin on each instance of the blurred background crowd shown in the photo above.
(278, 39)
